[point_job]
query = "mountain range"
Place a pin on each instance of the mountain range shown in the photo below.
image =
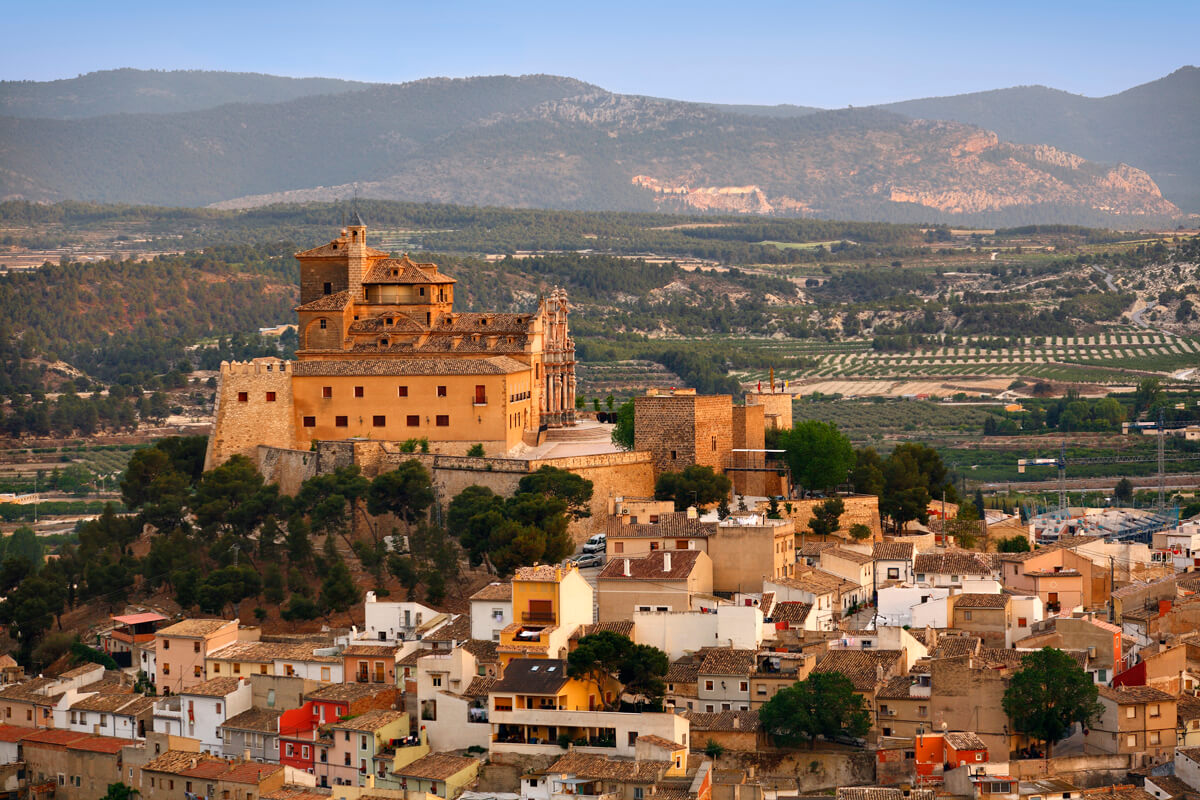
(1012, 156)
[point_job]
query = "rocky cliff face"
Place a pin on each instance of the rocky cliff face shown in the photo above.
(952, 168)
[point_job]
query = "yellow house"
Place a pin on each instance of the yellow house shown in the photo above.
(440, 774)
(543, 685)
(548, 604)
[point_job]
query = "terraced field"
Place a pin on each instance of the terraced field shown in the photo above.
(1110, 359)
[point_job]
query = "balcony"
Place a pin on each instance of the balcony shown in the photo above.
(542, 617)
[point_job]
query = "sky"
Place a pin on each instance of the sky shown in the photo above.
(820, 54)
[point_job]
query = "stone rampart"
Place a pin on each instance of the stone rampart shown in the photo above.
(253, 408)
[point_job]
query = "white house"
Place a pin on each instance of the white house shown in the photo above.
(324, 664)
(121, 715)
(896, 603)
(392, 622)
(200, 711)
(677, 633)
(452, 700)
(491, 612)
(948, 567)
(893, 562)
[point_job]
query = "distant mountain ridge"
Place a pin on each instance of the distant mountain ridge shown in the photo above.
(1154, 126)
(548, 141)
(139, 91)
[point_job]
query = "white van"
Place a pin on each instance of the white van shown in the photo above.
(596, 544)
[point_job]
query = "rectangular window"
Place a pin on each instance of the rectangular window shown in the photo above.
(412, 420)
(195, 647)
(443, 420)
(324, 324)
(1154, 739)
(166, 669)
(1131, 740)
(328, 287)
(1022, 622)
(403, 391)
(358, 391)
(708, 686)
(744, 686)
(1154, 712)
(310, 422)
(967, 616)
(480, 395)
(379, 421)
(340, 422)
(893, 573)
(325, 674)
(196, 671)
(326, 391)
(1130, 712)
(243, 397)
(441, 391)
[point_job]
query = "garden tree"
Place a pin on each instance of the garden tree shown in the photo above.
(108, 533)
(406, 491)
(858, 532)
(867, 475)
(622, 434)
(980, 511)
(1124, 491)
(607, 655)
(475, 451)
(1048, 695)
(773, 508)
(905, 496)
(145, 466)
(714, 749)
(435, 557)
(826, 516)
(233, 498)
(697, 485)
(119, 791)
(572, 489)
(819, 456)
(1013, 544)
(823, 704)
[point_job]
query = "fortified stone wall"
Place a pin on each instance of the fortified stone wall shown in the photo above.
(749, 434)
(860, 509)
(253, 407)
(680, 430)
(611, 474)
(777, 408)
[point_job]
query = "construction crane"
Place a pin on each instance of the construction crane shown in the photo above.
(1162, 427)
(1061, 462)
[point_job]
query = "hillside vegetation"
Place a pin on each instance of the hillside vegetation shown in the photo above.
(545, 141)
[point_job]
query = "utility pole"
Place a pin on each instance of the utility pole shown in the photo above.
(1112, 577)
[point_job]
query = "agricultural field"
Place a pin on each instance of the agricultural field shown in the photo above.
(1111, 359)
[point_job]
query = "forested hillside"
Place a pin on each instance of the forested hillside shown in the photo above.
(551, 142)
(140, 91)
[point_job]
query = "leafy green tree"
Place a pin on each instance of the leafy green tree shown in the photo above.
(606, 655)
(24, 544)
(119, 791)
(826, 517)
(1048, 695)
(526, 528)
(233, 498)
(623, 433)
(905, 496)
(859, 532)
(339, 592)
(1149, 393)
(273, 584)
(298, 540)
(471, 516)
(475, 451)
(572, 489)
(406, 491)
(822, 705)
(1013, 544)
(818, 454)
(405, 571)
(300, 607)
(697, 485)
(1124, 491)
(714, 749)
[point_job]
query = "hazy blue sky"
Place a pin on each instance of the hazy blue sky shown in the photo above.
(830, 54)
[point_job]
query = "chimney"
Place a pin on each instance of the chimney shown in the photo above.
(691, 512)
(627, 572)
(666, 562)
(737, 721)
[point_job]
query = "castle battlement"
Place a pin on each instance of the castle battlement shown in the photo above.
(258, 366)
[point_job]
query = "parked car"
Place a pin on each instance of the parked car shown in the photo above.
(596, 544)
(590, 560)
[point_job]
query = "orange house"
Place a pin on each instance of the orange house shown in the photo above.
(371, 663)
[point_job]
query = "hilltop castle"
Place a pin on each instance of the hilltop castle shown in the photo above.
(384, 356)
